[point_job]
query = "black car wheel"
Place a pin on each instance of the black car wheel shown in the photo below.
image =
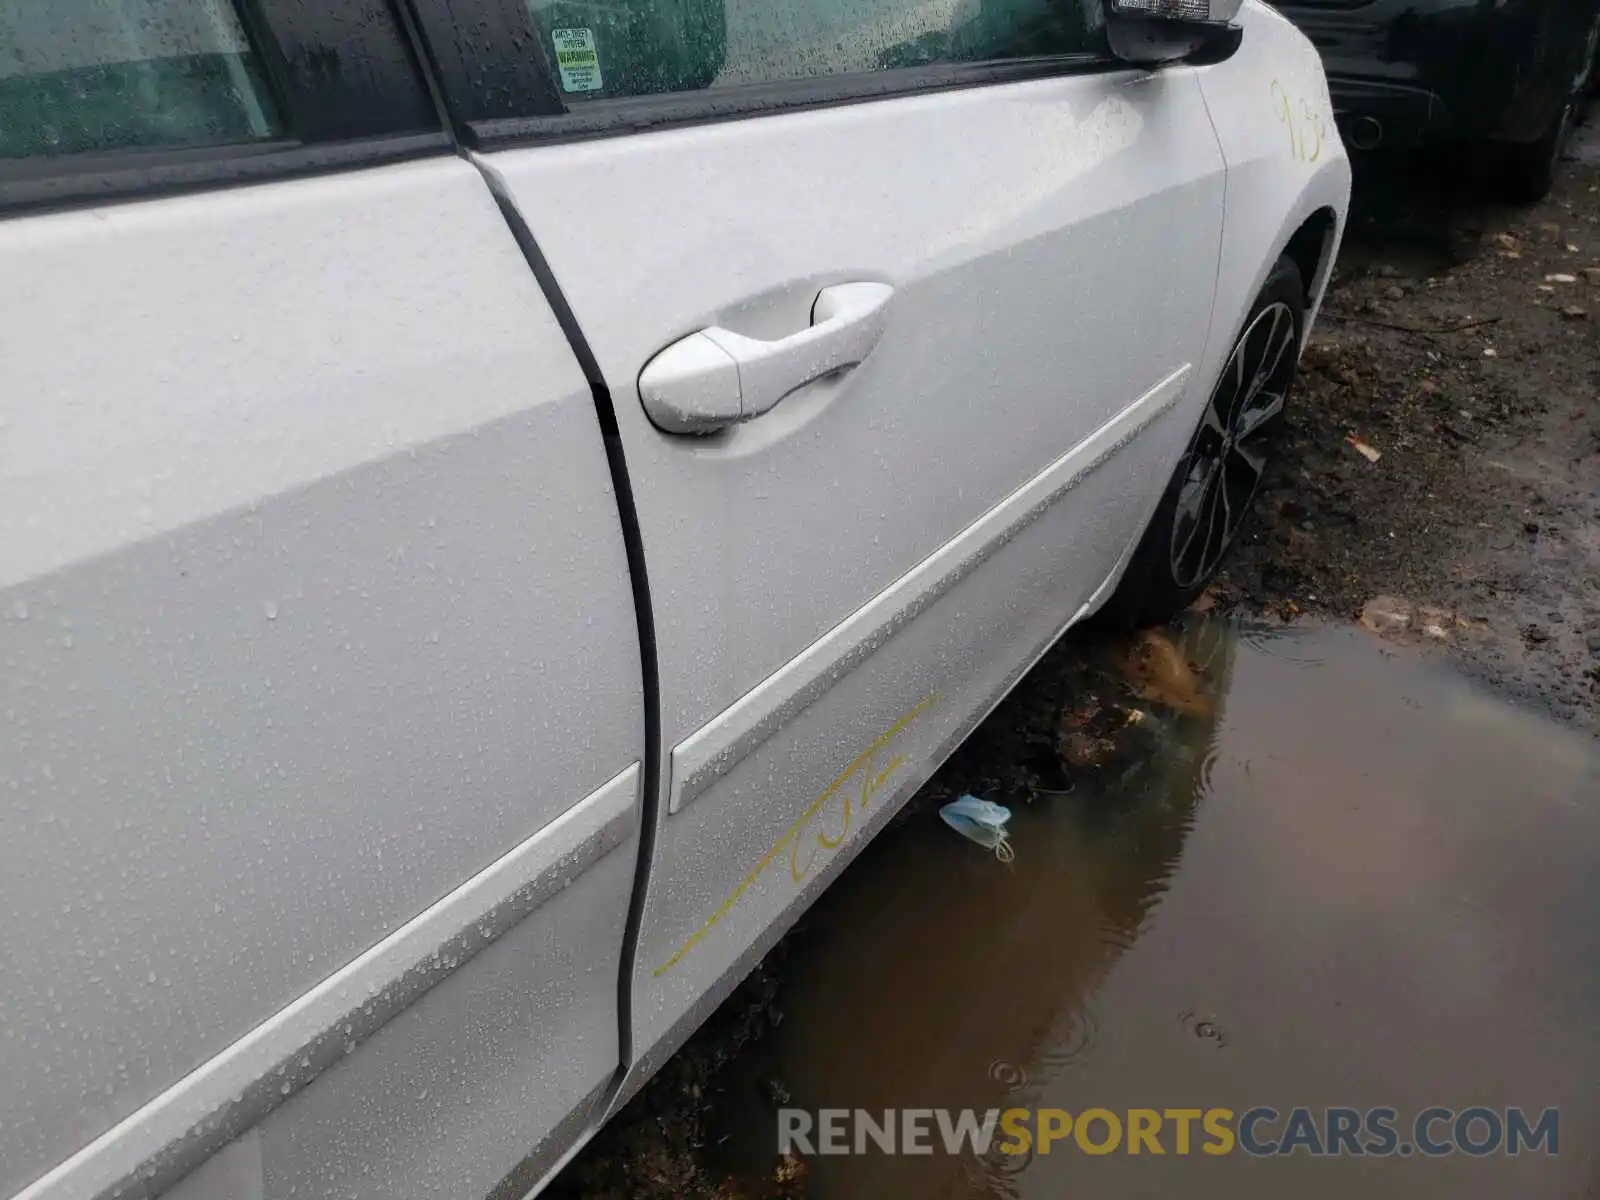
(1210, 494)
(1527, 171)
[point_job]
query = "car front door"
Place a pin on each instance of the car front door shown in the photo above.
(897, 306)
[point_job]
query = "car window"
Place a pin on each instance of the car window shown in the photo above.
(609, 48)
(94, 75)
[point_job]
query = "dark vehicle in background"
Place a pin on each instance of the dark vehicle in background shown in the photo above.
(1504, 76)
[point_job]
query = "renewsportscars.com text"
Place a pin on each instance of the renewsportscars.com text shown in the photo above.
(1260, 1131)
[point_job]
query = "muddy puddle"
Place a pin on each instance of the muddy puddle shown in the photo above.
(1280, 867)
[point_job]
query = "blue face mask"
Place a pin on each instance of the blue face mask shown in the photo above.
(981, 821)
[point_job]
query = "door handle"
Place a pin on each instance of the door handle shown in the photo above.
(716, 378)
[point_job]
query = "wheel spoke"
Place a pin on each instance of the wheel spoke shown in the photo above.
(1202, 506)
(1196, 516)
(1216, 538)
(1241, 381)
(1279, 338)
(1271, 370)
(1252, 460)
(1254, 417)
(1254, 346)
(1254, 376)
(1193, 496)
(1262, 369)
(1238, 368)
(1227, 505)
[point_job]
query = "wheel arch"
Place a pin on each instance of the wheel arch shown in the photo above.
(1311, 248)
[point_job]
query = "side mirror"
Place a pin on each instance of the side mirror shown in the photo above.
(1148, 33)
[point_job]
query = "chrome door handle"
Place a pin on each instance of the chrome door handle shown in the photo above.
(716, 377)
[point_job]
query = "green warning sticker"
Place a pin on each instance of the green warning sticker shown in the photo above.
(577, 59)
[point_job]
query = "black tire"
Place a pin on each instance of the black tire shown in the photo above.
(1241, 421)
(1527, 171)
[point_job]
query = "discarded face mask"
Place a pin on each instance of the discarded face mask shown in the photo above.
(980, 821)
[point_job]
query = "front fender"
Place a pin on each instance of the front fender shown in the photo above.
(1285, 166)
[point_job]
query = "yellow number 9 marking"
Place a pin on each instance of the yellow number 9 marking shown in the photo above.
(1285, 113)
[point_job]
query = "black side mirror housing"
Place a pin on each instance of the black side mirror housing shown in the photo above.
(1150, 33)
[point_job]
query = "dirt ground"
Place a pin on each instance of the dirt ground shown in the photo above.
(1461, 342)
(1460, 346)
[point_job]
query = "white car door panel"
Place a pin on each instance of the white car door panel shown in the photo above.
(306, 522)
(493, 1072)
(788, 812)
(920, 524)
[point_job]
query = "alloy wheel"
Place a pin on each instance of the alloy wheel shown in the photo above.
(1228, 455)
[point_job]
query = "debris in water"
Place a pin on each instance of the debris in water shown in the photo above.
(1161, 674)
(1386, 614)
(1561, 277)
(981, 821)
(1434, 622)
(789, 1173)
(1082, 750)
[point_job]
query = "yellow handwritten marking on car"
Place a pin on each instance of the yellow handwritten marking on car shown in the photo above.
(865, 765)
(1307, 127)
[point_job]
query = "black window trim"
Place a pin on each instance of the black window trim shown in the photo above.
(502, 91)
(150, 174)
(329, 127)
(642, 114)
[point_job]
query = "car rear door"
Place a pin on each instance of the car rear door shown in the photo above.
(962, 265)
(320, 702)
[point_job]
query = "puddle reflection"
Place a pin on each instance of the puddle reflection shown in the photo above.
(1330, 874)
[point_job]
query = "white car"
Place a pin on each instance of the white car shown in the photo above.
(499, 502)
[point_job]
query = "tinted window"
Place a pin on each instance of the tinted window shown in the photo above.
(84, 75)
(602, 48)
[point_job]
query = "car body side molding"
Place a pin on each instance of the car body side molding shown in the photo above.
(161, 1142)
(715, 748)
